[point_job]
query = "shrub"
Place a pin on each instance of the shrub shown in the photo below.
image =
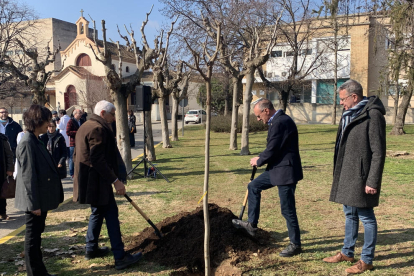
(223, 124)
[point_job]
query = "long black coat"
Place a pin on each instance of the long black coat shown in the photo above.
(96, 165)
(6, 158)
(38, 184)
(59, 151)
(359, 158)
(282, 151)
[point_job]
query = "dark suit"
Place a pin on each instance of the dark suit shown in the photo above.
(38, 186)
(284, 170)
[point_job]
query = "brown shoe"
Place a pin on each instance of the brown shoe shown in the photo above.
(4, 216)
(339, 257)
(359, 267)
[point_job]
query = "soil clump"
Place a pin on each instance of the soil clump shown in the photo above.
(183, 242)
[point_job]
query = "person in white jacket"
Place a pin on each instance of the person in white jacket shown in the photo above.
(64, 119)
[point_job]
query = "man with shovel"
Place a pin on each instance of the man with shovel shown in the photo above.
(284, 170)
(96, 170)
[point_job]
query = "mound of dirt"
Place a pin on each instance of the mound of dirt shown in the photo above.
(183, 242)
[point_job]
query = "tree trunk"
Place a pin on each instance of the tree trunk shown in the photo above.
(247, 100)
(149, 137)
(206, 177)
(39, 98)
(164, 124)
(398, 128)
(333, 119)
(122, 130)
(226, 105)
(174, 119)
(234, 115)
(396, 100)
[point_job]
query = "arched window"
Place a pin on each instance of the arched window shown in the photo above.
(127, 69)
(83, 60)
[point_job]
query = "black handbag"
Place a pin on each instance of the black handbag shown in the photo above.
(8, 190)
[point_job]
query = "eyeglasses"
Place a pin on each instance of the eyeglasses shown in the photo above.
(4, 112)
(258, 116)
(344, 99)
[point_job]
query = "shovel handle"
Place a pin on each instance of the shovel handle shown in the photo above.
(157, 232)
(253, 173)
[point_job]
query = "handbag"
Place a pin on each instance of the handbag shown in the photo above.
(8, 190)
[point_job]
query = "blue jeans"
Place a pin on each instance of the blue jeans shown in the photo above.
(110, 213)
(287, 204)
(352, 217)
(71, 164)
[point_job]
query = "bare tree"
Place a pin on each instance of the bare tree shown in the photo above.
(296, 31)
(17, 21)
(204, 64)
(92, 89)
(118, 90)
(177, 97)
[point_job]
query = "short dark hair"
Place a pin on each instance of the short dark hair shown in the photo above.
(62, 111)
(36, 116)
(265, 103)
(52, 122)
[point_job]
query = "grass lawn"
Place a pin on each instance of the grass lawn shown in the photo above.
(321, 221)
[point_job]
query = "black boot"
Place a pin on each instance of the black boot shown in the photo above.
(245, 225)
(127, 260)
(291, 250)
(99, 252)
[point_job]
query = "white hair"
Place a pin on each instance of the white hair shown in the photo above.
(103, 105)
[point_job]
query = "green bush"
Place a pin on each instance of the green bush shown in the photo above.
(223, 124)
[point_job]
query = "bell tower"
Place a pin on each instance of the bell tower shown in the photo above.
(82, 26)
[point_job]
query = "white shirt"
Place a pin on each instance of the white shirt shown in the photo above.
(3, 127)
(62, 126)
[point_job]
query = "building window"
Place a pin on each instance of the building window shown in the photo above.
(113, 67)
(306, 52)
(127, 69)
(289, 54)
(83, 60)
(70, 96)
(276, 54)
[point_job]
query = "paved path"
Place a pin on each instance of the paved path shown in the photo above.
(17, 217)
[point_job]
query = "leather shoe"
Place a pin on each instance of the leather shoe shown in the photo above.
(359, 267)
(127, 260)
(339, 257)
(100, 252)
(4, 216)
(245, 225)
(291, 250)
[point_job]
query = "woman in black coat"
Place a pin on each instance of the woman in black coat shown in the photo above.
(56, 146)
(6, 169)
(38, 185)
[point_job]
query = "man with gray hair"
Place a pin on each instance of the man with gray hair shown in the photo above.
(284, 170)
(358, 165)
(96, 170)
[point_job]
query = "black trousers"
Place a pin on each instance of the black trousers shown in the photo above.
(3, 205)
(35, 225)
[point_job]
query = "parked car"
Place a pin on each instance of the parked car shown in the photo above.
(196, 116)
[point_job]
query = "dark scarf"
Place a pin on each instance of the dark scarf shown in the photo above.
(49, 145)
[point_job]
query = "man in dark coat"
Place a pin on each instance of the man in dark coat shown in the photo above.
(96, 170)
(284, 170)
(358, 166)
(6, 169)
(10, 128)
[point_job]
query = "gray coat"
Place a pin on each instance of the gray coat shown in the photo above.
(360, 157)
(38, 184)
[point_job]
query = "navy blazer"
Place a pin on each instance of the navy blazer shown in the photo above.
(282, 151)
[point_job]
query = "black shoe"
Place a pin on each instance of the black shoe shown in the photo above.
(291, 250)
(245, 225)
(127, 260)
(100, 252)
(51, 274)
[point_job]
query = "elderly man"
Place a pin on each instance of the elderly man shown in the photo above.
(71, 130)
(96, 170)
(284, 170)
(358, 166)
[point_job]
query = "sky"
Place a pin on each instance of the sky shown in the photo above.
(112, 11)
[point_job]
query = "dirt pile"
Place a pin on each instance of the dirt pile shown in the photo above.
(183, 241)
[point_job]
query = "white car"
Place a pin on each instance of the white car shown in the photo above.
(196, 116)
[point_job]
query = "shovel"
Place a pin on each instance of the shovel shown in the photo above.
(247, 194)
(157, 232)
